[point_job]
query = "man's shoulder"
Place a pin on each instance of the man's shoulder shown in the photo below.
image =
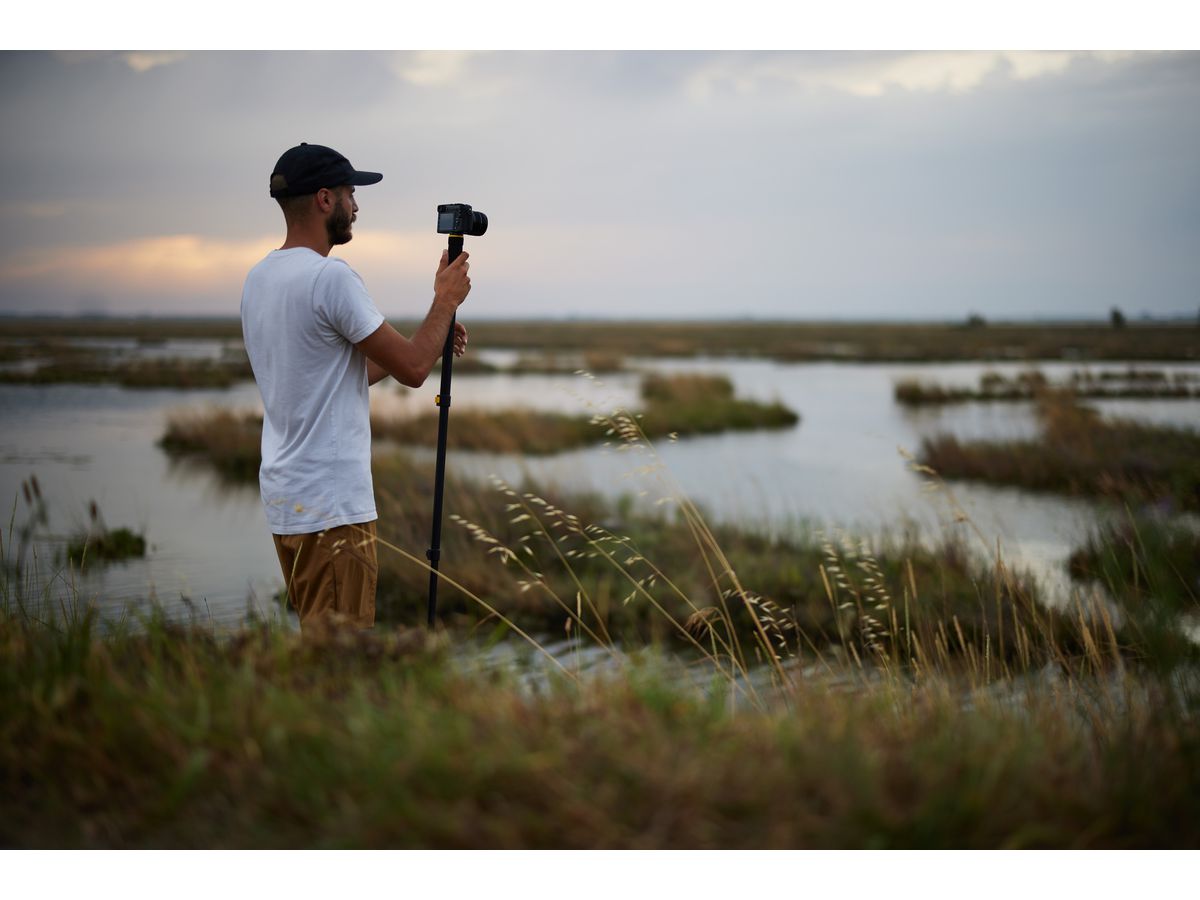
(335, 270)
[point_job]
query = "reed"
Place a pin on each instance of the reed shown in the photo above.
(164, 736)
(229, 440)
(88, 368)
(918, 716)
(1081, 453)
(1107, 384)
(674, 404)
(631, 574)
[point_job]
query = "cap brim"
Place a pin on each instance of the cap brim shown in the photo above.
(361, 178)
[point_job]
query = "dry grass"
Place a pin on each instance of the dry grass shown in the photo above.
(162, 736)
(1081, 453)
(228, 440)
(796, 341)
(935, 710)
(1141, 384)
(675, 404)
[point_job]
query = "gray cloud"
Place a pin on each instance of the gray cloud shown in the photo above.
(816, 184)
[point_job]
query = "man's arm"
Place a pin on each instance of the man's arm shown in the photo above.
(409, 361)
(375, 373)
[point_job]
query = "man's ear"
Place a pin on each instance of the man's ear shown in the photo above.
(326, 200)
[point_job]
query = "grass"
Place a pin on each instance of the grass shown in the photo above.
(612, 571)
(937, 704)
(163, 736)
(228, 440)
(1081, 453)
(80, 366)
(107, 546)
(549, 363)
(1149, 562)
(1128, 384)
(794, 690)
(789, 341)
(676, 404)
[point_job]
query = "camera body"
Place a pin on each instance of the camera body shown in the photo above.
(459, 218)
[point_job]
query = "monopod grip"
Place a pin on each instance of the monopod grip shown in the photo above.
(454, 245)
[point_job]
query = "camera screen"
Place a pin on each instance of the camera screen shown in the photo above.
(445, 221)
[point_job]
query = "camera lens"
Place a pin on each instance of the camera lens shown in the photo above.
(478, 224)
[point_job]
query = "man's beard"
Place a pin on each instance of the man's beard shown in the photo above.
(337, 226)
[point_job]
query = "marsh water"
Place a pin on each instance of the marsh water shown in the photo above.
(841, 468)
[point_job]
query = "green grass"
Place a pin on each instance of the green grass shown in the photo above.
(673, 404)
(1081, 453)
(1150, 563)
(110, 545)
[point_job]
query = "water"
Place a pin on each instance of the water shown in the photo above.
(210, 555)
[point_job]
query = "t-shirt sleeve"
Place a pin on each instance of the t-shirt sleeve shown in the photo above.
(341, 301)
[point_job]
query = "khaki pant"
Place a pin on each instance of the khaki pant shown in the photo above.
(331, 575)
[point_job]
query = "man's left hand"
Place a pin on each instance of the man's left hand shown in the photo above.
(460, 339)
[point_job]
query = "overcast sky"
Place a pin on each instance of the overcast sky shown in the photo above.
(810, 185)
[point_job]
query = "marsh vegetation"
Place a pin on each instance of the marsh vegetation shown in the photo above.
(670, 679)
(1081, 452)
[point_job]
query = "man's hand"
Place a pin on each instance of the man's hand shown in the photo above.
(460, 339)
(451, 284)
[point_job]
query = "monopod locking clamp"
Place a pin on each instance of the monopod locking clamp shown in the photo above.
(454, 220)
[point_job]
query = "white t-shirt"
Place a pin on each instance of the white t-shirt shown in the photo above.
(302, 314)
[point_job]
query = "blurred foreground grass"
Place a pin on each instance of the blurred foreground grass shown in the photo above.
(170, 737)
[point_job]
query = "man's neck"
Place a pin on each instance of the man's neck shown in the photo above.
(316, 241)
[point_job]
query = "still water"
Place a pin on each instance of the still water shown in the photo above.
(209, 553)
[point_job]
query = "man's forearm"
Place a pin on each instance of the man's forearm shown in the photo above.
(430, 338)
(375, 373)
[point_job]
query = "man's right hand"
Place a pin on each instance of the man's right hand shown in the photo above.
(451, 284)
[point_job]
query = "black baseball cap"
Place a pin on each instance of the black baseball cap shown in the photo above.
(309, 167)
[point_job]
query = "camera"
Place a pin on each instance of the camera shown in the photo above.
(459, 218)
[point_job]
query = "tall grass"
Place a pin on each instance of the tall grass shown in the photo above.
(164, 736)
(673, 404)
(619, 574)
(1107, 384)
(938, 704)
(1081, 453)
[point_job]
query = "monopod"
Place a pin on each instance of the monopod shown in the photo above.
(455, 220)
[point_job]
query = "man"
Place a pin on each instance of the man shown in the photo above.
(316, 341)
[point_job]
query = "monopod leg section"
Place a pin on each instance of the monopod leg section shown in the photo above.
(434, 552)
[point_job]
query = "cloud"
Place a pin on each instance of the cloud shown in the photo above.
(430, 68)
(145, 60)
(138, 60)
(167, 263)
(874, 75)
(194, 267)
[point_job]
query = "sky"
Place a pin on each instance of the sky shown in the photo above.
(647, 184)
